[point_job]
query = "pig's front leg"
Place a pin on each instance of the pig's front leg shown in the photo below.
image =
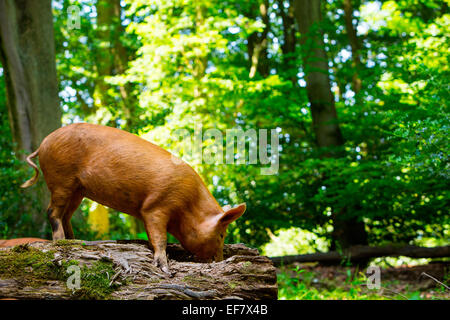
(156, 227)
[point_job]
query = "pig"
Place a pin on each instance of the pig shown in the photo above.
(134, 176)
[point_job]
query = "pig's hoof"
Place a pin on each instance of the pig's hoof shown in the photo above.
(167, 271)
(163, 266)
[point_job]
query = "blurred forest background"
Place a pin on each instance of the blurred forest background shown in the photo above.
(357, 90)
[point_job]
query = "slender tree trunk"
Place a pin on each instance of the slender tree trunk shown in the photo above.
(121, 58)
(308, 14)
(27, 53)
(289, 41)
(200, 63)
(354, 44)
(104, 54)
(257, 45)
(112, 59)
(315, 63)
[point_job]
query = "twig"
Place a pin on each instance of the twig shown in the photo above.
(385, 288)
(426, 274)
(115, 277)
(405, 297)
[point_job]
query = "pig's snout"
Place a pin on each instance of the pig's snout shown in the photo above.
(218, 257)
(205, 259)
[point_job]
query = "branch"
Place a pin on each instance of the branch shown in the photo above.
(363, 252)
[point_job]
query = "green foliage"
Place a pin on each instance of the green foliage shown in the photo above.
(301, 284)
(81, 55)
(294, 241)
(14, 219)
(187, 62)
(294, 288)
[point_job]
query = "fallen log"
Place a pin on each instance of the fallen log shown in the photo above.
(358, 253)
(124, 269)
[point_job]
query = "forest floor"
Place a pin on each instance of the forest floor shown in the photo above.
(312, 282)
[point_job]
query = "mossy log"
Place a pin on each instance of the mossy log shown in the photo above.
(124, 270)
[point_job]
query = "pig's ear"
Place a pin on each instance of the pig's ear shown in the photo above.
(231, 214)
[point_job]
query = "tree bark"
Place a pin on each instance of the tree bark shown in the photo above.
(28, 59)
(354, 44)
(258, 43)
(347, 232)
(112, 59)
(244, 274)
(289, 41)
(365, 252)
(315, 62)
(27, 54)
(106, 18)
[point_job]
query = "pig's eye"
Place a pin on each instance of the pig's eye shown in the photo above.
(221, 235)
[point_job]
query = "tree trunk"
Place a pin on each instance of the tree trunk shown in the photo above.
(128, 272)
(365, 252)
(328, 134)
(315, 63)
(28, 59)
(27, 53)
(289, 41)
(112, 59)
(258, 43)
(106, 16)
(354, 44)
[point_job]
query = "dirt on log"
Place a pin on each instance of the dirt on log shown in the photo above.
(358, 253)
(124, 269)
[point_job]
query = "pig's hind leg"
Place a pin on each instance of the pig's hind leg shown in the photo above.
(60, 200)
(73, 204)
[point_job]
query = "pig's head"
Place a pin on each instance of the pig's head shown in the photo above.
(206, 241)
